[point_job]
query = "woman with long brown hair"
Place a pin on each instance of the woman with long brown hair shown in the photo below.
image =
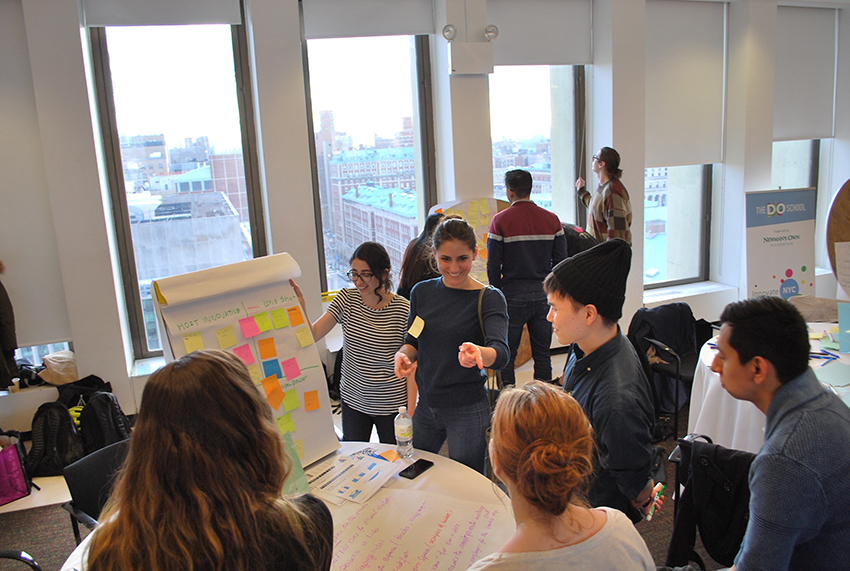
(201, 487)
(541, 450)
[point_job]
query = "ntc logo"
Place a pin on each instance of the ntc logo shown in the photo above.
(777, 209)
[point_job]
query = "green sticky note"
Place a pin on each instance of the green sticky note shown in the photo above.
(296, 484)
(290, 400)
(280, 318)
(263, 322)
(285, 423)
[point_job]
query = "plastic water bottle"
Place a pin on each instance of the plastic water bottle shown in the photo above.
(404, 433)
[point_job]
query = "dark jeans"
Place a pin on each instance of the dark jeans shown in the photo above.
(530, 308)
(357, 426)
(465, 427)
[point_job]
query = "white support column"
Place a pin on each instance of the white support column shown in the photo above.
(68, 126)
(749, 132)
(618, 116)
(464, 158)
(284, 142)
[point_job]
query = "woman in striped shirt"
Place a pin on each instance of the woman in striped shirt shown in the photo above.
(374, 322)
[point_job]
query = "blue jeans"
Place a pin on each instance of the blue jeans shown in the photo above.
(357, 426)
(465, 427)
(529, 308)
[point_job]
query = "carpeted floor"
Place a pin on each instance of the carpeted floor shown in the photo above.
(45, 533)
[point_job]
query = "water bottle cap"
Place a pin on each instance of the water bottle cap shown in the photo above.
(402, 409)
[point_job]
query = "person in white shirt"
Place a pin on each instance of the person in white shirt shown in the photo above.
(541, 450)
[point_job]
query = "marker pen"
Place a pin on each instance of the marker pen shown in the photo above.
(655, 499)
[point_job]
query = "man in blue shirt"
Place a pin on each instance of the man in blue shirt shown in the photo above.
(524, 243)
(800, 479)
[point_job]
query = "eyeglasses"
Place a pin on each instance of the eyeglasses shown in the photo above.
(354, 276)
(596, 158)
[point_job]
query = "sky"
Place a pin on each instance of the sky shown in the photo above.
(179, 80)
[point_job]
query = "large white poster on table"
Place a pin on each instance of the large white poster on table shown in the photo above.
(478, 213)
(781, 243)
(249, 309)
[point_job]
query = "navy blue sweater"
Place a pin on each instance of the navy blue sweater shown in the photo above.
(524, 243)
(451, 318)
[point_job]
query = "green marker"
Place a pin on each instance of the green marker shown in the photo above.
(655, 499)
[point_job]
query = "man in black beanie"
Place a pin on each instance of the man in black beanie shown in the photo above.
(586, 294)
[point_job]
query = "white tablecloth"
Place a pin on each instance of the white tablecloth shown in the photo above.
(730, 422)
(449, 504)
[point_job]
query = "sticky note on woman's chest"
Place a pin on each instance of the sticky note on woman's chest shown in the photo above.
(417, 327)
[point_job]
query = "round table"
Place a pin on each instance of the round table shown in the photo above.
(736, 423)
(447, 518)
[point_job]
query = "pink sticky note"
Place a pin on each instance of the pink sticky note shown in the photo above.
(244, 352)
(249, 327)
(291, 368)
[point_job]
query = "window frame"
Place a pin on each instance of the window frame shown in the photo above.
(704, 232)
(115, 179)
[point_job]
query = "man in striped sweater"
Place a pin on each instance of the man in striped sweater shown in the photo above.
(525, 242)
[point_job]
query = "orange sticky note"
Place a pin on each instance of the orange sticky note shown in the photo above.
(304, 336)
(274, 394)
(482, 253)
(295, 317)
(267, 348)
(193, 342)
(311, 400)
(390, 455)
(269, 383)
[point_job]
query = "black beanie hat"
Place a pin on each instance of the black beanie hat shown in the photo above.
(597, 276)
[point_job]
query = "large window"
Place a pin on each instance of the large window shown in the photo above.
(173, 134)
(675, 209)
(366, 119)
(533, 127)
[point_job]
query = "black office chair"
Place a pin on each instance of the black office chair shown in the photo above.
(21, 556)
(90, 482)
(671, 338)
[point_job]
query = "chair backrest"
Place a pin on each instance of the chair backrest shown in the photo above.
(21, 556)
(90, 479)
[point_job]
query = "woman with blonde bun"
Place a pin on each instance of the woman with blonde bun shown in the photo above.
(541, 450)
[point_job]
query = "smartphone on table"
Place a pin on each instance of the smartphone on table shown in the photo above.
(416, 468)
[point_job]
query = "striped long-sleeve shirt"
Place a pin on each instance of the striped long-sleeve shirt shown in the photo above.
(609, 211)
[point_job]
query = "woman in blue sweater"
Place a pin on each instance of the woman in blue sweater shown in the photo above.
(447, 352)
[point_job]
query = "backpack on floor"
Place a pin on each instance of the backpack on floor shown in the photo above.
(14, 481)
(55, 441)
(102, 422)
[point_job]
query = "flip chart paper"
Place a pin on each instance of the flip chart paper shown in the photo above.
(244, 352)
(295, 317)
(304, 336)
(290, 400)
(263, 322)
(272, 368)
(417, 326)
(267, 348)
(285, 423)
(193, 342)
(311, 400)
(279, 318)
(249, 327)
(291, 368)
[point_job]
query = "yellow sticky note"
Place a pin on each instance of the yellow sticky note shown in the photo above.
(481, 243)
(416, 327)
(290, 400)
(473, 216)
(193, 342)
(304, 336)
(295, 317)
(813, 335)
(263, 322)
(482, 277)
(267, 349)
(483, 206)
(299, 447)
(254, 370)
(285, 425)
(279, 318)
(833, 330)
(226, 337)
(311, 400)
